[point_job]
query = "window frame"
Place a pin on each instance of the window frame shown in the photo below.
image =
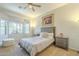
(24, 28)
(21, 30)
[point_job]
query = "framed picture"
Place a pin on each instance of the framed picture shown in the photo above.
(47, 20)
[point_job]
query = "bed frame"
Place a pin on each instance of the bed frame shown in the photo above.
(50, 30)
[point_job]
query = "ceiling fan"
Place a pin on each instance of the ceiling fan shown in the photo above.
(31, 6)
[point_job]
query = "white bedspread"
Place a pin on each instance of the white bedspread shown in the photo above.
(35, 44)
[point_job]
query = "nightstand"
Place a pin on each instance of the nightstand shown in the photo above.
(62, 42)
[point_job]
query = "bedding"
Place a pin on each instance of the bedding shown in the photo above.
(35, 45)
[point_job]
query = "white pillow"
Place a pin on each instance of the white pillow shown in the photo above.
(50, 35)
(44, 34)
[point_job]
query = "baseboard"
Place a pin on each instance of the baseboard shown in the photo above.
(74, 50)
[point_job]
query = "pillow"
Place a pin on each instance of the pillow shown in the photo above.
(44, 34)
(50, 35)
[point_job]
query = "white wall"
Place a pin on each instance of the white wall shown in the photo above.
(66, 21)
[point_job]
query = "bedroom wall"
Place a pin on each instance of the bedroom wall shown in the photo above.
(66, 21)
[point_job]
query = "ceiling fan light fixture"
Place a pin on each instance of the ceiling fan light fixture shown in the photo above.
(31, 6)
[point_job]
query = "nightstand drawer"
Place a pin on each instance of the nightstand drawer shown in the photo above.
(62, 42)
(62, 39)
(63, 45)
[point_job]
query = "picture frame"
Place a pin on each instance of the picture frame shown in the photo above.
(48, 20)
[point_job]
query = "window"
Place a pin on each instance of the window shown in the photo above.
(12, 27)
(2, 27)
(8, 27)
(19, 28)
(26, 28)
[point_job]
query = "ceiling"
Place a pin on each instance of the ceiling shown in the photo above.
(28, 12)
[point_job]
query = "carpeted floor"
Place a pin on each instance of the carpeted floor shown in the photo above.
(51, 51)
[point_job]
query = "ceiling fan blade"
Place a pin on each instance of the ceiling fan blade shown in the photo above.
(34, 4)
(33, 9)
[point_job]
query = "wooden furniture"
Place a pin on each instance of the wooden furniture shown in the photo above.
(54, 34)
(62, 42)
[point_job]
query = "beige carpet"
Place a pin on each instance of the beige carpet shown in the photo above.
(51, 51)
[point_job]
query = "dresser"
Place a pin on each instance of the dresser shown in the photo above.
(62, 42)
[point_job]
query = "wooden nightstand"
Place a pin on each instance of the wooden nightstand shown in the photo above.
(62, 42)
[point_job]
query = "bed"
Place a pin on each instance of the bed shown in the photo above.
(36, 44)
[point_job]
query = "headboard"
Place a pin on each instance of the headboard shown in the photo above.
(47, 29)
